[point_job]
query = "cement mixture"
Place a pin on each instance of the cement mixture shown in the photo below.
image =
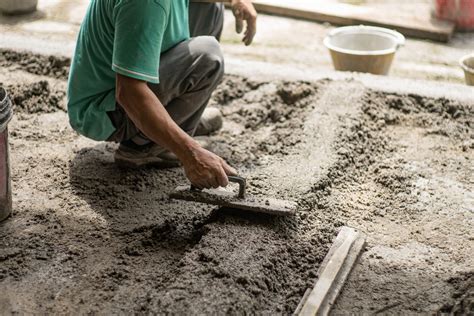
(89, 237)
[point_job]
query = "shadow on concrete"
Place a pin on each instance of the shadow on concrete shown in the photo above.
(137, 200)
(128, 199)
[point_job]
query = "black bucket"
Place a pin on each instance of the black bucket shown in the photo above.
(5, 181)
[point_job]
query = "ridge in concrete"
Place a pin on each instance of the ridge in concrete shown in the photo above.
(297, 172)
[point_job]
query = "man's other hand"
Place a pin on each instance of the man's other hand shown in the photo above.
(244, 11)
(206, 170)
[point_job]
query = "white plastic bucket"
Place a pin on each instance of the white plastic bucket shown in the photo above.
(467, 64)
(363, 48)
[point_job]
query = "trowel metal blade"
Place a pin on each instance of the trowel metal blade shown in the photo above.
(228, 199)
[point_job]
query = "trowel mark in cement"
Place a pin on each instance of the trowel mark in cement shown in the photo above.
(296, 173)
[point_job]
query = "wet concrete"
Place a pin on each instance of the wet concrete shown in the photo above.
(94, 238)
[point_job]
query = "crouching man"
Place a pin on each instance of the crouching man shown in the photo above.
(142, 75)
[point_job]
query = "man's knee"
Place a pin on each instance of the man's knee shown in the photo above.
(209, 54)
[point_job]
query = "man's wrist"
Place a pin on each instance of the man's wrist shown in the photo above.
(186, 149)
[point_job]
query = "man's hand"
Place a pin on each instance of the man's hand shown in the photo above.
(203, 168)
(207, 170)
(244, 11)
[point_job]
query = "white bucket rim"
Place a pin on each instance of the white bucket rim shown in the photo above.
(398, 38)
(465, 67)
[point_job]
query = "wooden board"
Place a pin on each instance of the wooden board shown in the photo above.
(416, 24)
(333, 273)
(419, 26)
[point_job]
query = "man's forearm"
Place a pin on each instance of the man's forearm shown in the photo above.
(151, 117)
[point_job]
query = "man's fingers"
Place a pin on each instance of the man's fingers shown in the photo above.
(239, 25)
(201, 184)
(222, 178)
(204, 181)
(228, 169)
(244, 11)
(251, 28)
(208, 184)
(198, 185)
(239, 20)
(213, 181)
(247, 40)
(215, 184)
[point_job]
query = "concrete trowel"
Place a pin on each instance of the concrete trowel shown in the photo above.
(240, 201)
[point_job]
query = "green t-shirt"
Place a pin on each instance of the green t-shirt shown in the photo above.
(119, 36)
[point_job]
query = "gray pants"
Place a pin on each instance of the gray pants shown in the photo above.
(206, 19)
(189, 73)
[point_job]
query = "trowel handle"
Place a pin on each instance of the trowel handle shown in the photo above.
(242, 185)
(236, 179)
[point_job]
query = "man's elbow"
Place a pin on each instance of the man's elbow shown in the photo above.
(120, 91)
(125, 88)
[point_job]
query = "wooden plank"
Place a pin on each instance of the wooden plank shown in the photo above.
(301, 303)
(331, 266)
(416, 25)
(338, 284)
(333, 273)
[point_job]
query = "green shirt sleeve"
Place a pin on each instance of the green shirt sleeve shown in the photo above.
(139, 30)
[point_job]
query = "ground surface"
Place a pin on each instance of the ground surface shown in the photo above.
(295, 43)
(89, 237)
